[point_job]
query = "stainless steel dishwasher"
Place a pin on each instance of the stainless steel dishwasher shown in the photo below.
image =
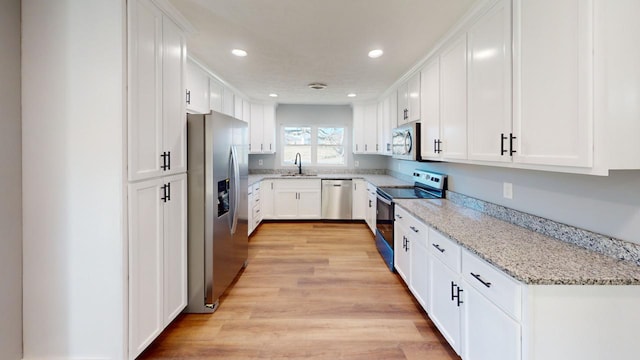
(336, 199)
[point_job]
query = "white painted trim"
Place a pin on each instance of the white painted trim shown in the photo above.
(176, 16)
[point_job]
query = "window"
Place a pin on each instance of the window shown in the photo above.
(317, 145)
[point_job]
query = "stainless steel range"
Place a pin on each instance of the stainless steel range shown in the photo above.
(426, 186)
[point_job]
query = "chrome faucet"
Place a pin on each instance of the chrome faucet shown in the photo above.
(295, 162)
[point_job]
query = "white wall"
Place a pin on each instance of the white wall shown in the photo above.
(10, 183)
(608, 205)
(73, 71)
(315, 115)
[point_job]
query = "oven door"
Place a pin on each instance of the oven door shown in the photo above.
(384, 219)
(384, 230)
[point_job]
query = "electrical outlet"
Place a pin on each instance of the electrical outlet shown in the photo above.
(356, 163)
(260, 162)
(507, 190)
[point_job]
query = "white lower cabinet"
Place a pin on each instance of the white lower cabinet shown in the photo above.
(359, 200)
(254, 207)
(401, 255)
(297, 199)
(157, 257)
(445, 300)
(372, 206)
(488, 332)
(419, 279)
(267, 198)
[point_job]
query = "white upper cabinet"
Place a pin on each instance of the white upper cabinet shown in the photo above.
(238, 107)
(365, 124)
(385, 126)
(216, 91)
(262, 128)
(157, 120)
(453, 99)
(228, 104)
(409, 100)
(489, 85)
(553, 82)
(197, 93)
(430, 105)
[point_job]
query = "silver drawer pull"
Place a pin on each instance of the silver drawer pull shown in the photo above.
(477, 277)
(414, 229)
(438, 247)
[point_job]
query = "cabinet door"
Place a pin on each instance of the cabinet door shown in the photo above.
(256, 128)
(419, 279)
(174, 130)
(358, 129)
(373, 206)
(393, 111)
(146, 253)
(413, 92)
(309, 204)
(175, 247)
(553, 82)
(237, 107)
(489, 87)
(269, 129)
(197, 84)
(403, 104)
(488, 332)
(246, 111)
(359, 199)
(444, 305)
(430, 99)
(401, 251)
(386, 127)
(215, 95)
(267, 195)
(286, 204)
(228, 102)
(371, 129)
(145, 91)
(453, 100)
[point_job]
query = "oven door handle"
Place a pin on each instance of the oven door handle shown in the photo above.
(384, 200)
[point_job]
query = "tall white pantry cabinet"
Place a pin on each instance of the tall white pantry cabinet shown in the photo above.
(157, 193)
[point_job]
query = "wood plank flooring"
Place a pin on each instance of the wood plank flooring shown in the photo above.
(311, 290)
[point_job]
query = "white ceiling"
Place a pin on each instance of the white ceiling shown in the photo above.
(292, 43)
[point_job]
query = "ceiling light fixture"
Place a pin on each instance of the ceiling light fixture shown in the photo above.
(351, 95)
(239, 52)
(317, 86)
(273, 95)
(375, 53)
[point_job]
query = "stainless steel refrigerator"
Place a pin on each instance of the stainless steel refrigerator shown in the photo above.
(217, 169)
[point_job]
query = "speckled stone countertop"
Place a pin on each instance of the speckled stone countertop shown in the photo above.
(525, 255)
(377, 180)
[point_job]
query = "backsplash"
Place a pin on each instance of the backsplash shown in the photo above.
(315, 171)
(616, 248)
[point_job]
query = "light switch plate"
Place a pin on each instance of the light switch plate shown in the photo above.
(356, 163)
(260, 162)
(507, 190)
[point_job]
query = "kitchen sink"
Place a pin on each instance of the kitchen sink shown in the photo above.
(298, 175)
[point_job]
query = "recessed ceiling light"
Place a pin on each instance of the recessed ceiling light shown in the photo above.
(239, 52)
(317, 86)
(375, 53)
(351, 95)
(273, 95)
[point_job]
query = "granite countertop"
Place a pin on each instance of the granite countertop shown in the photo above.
(375, 179)
(525, 255)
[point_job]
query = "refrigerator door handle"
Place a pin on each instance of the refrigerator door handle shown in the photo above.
(234, 172)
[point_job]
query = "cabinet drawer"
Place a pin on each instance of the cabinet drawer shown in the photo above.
(415, 229)
(257, 214)
(255, 199)
(497, 286)
(445, 249)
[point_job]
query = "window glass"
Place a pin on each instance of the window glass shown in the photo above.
(296, 140)
(331, 146)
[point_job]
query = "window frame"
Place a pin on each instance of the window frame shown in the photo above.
(288, 163)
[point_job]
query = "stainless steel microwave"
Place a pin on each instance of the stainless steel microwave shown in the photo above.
(405, 142)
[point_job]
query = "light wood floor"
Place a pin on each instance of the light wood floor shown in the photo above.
(311, 290)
